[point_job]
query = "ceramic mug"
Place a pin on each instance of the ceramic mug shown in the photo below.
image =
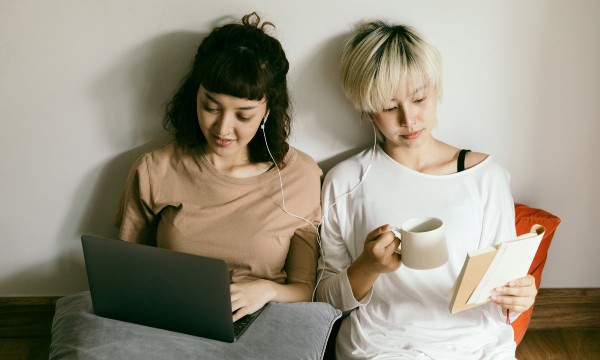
(422, 243)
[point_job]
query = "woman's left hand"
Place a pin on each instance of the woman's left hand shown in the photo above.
(516, 296)
(248, 297)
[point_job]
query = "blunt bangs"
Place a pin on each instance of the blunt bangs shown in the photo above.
(236, 73)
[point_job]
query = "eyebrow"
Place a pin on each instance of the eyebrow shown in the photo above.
(218, 103)
(422, 87)
(414, 92)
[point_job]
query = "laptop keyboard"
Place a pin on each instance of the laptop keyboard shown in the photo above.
(241, 324)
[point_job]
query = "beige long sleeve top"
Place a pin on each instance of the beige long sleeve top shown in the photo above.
(176, 199)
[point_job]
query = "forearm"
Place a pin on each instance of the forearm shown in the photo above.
(361, 280)
(292, 292)
(335, 289)
(248, 297)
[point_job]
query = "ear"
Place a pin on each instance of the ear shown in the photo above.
(264, 120)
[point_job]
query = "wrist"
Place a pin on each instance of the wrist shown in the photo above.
(361, 280)
(269, 288)
(361, 269)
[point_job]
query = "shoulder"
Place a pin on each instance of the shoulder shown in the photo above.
(159, 159)
(487, 167)
(167, 151)
(473, 158)
(351, 168)
(301, 161)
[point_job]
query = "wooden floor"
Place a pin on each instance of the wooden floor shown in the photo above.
(24, 348)
(572, 344)
(559, 344)
(565, 325)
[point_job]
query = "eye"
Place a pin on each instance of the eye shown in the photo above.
(209, 109)
(418, 101)
(390, 109)
(243, 118)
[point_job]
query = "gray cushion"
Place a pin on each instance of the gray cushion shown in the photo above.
(282, 331)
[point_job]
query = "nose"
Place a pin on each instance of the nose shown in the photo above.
(224, 124)
(405, 116)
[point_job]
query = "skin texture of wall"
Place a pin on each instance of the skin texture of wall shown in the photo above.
(84, 85)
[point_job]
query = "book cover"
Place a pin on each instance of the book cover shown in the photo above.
(486, 269)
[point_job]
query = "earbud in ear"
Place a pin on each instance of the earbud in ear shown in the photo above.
(264, 120)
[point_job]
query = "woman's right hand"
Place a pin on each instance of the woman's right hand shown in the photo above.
(379, 253)
(379, 256)
(248, 297)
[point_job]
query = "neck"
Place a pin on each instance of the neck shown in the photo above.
(420, 159)
(433, 157)
(238, 166)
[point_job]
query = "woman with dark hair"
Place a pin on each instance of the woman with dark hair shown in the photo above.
(229, 186)
(244, 62)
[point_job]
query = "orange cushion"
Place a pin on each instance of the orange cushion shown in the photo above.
(525, 218)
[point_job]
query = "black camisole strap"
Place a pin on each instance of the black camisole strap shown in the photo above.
(460, 166)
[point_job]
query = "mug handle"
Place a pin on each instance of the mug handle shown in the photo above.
(397, 233)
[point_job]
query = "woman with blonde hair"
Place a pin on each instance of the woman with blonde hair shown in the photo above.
(394, 78)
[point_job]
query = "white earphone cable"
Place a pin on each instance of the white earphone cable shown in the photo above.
(319, 225)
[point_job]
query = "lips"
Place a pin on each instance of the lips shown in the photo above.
(412, 135)
(221, 142)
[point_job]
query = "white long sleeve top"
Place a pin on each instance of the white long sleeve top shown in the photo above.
(406, 313)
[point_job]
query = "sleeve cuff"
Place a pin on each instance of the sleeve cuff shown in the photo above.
(347, 294)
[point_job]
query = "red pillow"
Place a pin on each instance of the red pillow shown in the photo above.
(525, 218)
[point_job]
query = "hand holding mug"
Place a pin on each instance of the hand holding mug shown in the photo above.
(379, 253)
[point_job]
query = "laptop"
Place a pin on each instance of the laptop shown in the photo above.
(161, 288)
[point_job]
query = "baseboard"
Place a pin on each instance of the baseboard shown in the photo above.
(26, 316)
(554, 308)
(566, 308)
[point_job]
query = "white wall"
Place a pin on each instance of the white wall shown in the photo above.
(83, 84)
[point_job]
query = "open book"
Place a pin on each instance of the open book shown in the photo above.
(486, 269)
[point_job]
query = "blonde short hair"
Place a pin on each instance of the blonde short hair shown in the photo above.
(378, 57)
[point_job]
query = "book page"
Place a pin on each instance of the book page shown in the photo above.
(512, 261)
(476, 263)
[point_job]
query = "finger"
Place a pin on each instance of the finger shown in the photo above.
(393, 246)
(236, 305)
(235, 292)
(528, 291)
(514, 308)
(504, 301)
(515, 291)
(391, 253)
(240, 313)
(375, 233)
(512, 303)
(386, 240)
(527, 280)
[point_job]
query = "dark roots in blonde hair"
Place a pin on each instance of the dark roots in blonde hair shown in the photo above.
(378, 57)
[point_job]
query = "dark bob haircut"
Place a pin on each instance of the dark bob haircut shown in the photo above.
(239, 60)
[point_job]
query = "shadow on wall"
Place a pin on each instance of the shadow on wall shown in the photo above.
(327, 164)
(145, 79)
(141, 82)
(167, 60)
(44, 277)
(318, 92)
